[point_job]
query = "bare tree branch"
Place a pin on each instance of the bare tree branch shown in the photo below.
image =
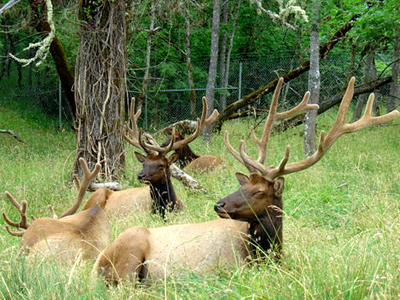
(10, 132)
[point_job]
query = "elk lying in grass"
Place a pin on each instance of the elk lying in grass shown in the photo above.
(71, 235)
(188, 160)
(251, 218)
(160, 195)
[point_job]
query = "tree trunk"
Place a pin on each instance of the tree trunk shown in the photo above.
(100, 86)
(189, 67)
(225, 74)
(212, 71)
(270, 87)
(369, 73)
(314, 82)
(146, 77)
(394, 87)
(60, 59)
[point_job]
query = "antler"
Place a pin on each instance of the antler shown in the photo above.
(21, 208)
(82, 185)
(152, 146)
(134, 130)
(325, 141)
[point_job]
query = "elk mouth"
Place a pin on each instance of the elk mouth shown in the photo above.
(222, 213)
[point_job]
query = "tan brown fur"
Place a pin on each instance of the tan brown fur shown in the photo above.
(71, 236)
(154, 253)
(122, 203)
(203, 164)
(84, 234)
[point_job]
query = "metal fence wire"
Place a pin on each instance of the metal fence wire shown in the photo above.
(165, 105)
(168, 100)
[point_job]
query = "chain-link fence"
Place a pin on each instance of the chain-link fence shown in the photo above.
(168, 98)
(167, 105)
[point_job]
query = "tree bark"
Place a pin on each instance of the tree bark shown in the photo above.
(60, 59)
(146, 77)
(303, 67)
(225, 74)
(100, 87)
(314, 82)
(189, 67)
(369, 73)
(212, 71)
(394, 87)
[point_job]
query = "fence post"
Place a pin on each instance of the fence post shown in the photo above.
(240, 81)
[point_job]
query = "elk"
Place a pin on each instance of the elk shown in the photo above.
(70, 236)
(188, 160)
(250, 220)
(156, 162)
(159, 196)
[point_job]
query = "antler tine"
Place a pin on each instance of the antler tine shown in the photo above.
(83, 185)
(152, 144)
(201, 123)
(14, 233)
(133, 131)
(339, 128)
(231, 149)
(262, 143)
(21, 208)
(302, 106)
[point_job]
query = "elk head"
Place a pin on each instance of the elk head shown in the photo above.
(156, 162)
(259, 199)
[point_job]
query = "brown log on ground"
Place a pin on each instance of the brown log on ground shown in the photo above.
(270, 87)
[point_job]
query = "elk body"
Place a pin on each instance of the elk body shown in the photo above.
(70, 236)
(188, 160)
(251, 218)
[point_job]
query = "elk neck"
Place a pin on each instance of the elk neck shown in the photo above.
(163, 196)
(266, 232)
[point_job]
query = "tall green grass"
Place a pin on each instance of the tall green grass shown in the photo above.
(341, 221)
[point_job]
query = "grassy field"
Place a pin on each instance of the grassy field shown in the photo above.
(341, 224)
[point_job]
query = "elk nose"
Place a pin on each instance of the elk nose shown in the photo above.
(218, 206)
(141, 175)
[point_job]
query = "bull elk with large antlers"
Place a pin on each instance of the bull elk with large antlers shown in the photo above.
(160, 195)
(72, 234)
(190, 161)
(251, 218)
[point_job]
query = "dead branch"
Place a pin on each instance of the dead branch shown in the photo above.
(10, 132)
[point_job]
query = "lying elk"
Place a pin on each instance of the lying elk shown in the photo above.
(188, 160)
(155, 172)
(72, 234)
(251, 218)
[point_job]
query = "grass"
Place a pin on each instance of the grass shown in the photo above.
(341, 219)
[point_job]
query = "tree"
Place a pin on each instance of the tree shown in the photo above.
(212, 71)
(314, 81)
(394, 87)
(100, 87)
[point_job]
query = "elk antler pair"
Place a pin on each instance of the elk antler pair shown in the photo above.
(325, 141)
(134, 135)
(21, 208)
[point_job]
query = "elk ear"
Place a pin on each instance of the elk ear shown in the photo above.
(243, 179)
(173, 158)
(279, 185)
(140, 157)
